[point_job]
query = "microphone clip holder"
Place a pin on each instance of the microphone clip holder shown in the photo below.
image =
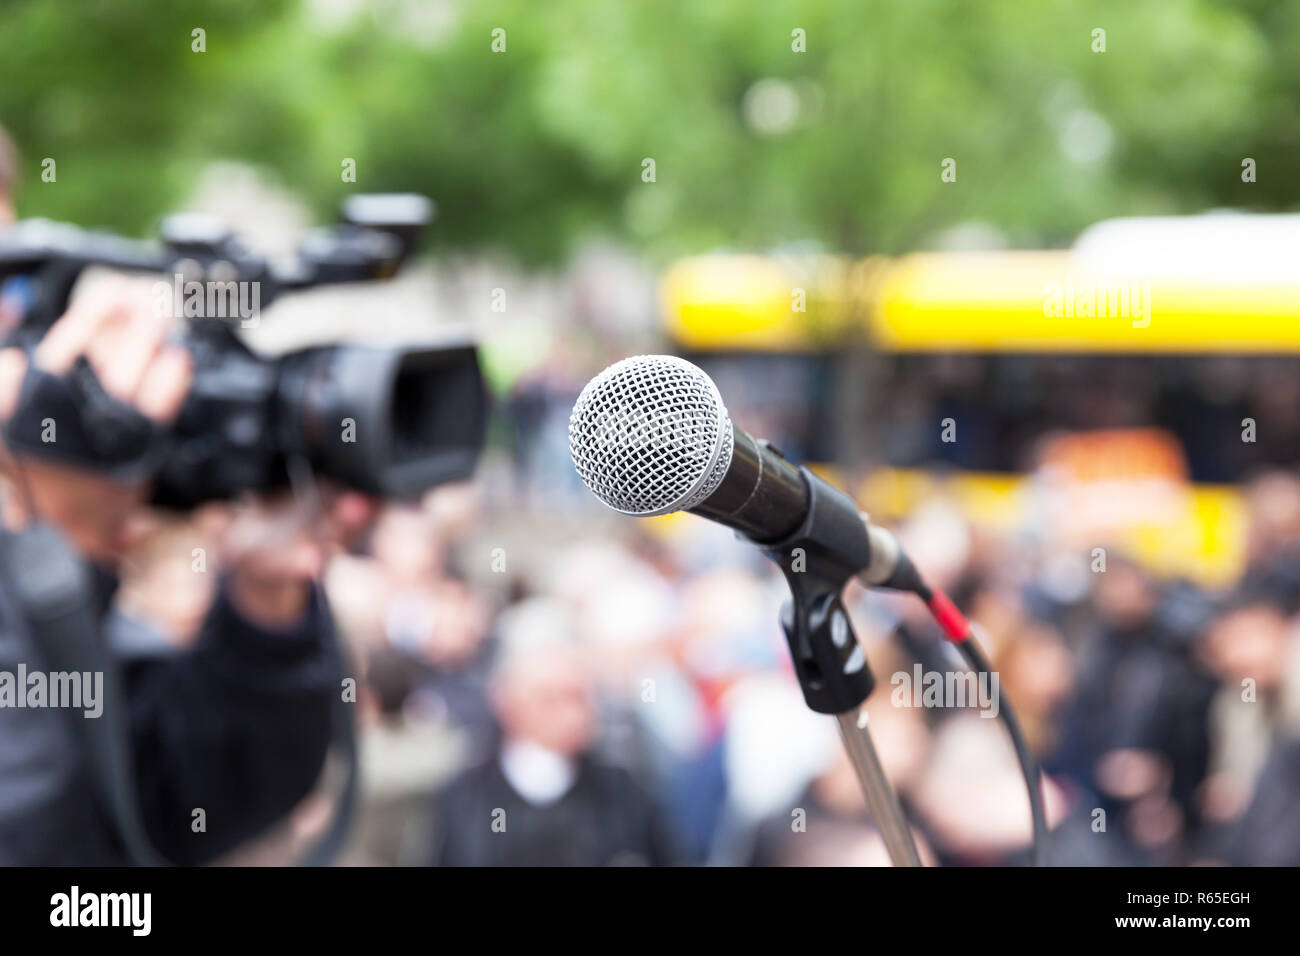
(818, 560)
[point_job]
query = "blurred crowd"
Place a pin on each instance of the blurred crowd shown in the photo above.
(544, 682)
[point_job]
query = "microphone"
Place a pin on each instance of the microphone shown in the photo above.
(650, 435)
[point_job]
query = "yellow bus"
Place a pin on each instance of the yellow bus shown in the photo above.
(1155, 353)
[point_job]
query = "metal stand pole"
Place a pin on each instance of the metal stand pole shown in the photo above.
(881, 799)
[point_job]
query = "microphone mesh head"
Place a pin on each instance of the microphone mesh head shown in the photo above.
(650, 435)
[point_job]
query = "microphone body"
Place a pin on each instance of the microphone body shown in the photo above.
(650, 435)
(761, 495)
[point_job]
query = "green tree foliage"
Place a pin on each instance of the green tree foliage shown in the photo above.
(754, 144)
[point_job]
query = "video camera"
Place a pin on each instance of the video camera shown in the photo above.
(391, 421)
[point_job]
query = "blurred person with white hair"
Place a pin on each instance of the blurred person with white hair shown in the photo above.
(543, 798)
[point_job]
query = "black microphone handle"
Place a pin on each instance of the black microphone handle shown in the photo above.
(766, 499)
(762, 496)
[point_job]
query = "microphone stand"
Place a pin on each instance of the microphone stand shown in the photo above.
(829, 548)
(881, 799)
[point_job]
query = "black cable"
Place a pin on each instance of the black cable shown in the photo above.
(1028, 765)
(961, 634)
(307, 497)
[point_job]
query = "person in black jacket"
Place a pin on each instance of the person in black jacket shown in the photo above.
(544, 797)
(237, 726)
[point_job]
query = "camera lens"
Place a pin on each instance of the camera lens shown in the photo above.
(390, 421)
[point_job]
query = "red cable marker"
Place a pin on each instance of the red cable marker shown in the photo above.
(952, 621)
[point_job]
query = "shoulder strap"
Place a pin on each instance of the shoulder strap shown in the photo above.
(55, 595)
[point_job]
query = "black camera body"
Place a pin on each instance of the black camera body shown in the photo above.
(391, 421)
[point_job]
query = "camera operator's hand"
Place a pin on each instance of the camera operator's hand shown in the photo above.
(271, 549)
(115, 326)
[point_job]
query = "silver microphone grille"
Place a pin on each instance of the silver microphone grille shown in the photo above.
(650, 435)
